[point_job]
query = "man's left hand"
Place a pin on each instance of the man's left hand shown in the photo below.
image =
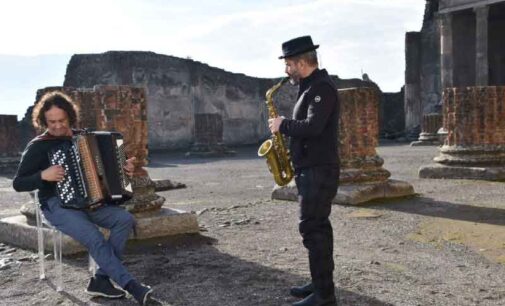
(129, 167)
(274, 124)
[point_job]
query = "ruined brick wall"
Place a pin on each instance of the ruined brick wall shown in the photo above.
(113, 108)
(9, 136)
(208, 128)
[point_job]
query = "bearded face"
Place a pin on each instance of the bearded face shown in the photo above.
(293, 71)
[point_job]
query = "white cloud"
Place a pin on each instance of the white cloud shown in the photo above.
(236, 35)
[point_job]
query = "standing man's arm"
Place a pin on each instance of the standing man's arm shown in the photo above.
(321, 105)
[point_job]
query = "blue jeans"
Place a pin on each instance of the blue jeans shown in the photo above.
(81, 225)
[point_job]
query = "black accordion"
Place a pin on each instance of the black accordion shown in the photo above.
(94, 174)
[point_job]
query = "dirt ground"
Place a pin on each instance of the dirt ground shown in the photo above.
(445, 246)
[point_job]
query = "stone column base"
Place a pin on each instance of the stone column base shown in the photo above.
(426, 139)
(164, 222)
(439, 171)
(353, 194)
(209, 150)
(425, 143)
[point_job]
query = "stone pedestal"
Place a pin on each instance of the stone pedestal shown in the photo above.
(209, 137)
(430, 126)
(475, 143)
(362, 177)
(22, 232)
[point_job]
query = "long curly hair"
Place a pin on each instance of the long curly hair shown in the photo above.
(47, 101)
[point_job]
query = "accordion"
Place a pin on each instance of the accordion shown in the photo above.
(93, 163)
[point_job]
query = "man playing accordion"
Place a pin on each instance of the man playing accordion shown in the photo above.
(57, 114)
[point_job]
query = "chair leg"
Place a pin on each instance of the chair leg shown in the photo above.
(40, 242)
(92, 266)
(57, 236)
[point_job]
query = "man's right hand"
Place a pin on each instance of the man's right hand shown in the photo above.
(53, 174)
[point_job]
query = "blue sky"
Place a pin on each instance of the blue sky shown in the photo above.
(38, 37)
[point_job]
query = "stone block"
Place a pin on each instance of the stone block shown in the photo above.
(354, 194)
(165, 222)
(438, 171)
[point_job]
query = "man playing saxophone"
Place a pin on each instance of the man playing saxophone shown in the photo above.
(313, 133)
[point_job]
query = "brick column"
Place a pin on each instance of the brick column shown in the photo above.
(475, 143)
(124, 109)
(359, 131)
(429, 130)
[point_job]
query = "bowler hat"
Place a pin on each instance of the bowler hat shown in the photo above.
(297, 46)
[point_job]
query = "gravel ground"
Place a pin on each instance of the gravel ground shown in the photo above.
(445, 246)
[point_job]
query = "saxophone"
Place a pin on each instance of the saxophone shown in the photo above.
(274, 149)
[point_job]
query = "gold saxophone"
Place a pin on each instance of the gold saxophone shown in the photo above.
(274, 149)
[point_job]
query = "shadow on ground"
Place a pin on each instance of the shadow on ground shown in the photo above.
(430, 207)
(189, 270)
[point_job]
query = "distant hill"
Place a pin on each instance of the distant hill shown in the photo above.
(21, 76)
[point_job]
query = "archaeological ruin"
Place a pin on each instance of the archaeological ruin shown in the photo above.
(472, 78)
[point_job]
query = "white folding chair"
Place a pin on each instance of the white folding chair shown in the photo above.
(57, 237)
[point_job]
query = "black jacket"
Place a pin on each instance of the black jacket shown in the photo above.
(314, 127)
(34, 160)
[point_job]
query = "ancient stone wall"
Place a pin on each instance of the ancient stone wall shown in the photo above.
(9, 136)
(177, 89)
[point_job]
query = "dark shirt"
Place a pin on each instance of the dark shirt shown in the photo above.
(314, 127)
(34, 160)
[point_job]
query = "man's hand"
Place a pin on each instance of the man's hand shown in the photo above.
(53, 174)
(129, 167)
(274, 124)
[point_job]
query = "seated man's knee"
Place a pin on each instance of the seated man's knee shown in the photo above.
(127, 219)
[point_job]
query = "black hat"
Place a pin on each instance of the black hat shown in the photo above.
(297, 46)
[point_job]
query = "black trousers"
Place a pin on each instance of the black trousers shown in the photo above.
(317, 186)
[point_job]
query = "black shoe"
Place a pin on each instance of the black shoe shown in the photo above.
(101, 286)
(302, 291)
(314, 300)
(139, 292)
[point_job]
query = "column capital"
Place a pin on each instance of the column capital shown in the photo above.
(481, 11)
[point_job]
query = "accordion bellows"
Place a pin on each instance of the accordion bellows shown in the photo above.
(93, 163)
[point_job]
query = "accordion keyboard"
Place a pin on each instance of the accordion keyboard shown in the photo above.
(71, 187)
